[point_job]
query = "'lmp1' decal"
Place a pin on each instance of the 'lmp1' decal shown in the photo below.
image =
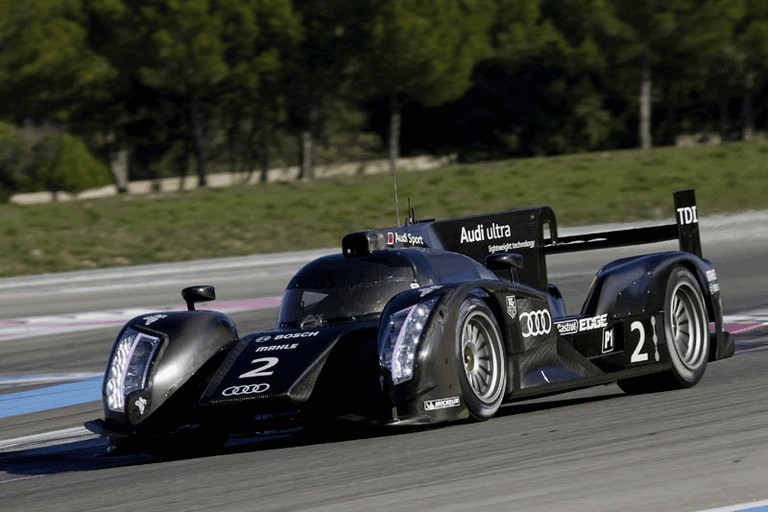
(608, 345)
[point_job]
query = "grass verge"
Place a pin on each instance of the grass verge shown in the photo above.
(584, 188)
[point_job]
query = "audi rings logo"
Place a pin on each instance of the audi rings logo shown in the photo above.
(248, 389)
(536, 323)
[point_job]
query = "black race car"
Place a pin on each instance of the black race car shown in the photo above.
(428, 322)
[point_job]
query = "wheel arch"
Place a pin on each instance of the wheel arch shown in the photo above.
(688, 348)
(636, 285)
(436, 375)
(495, 294)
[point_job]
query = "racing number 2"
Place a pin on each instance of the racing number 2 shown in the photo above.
(640, 354)
(264, 364)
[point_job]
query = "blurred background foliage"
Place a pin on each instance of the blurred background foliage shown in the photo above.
(106, 91)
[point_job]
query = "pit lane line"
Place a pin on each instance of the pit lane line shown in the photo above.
(757, 506)
(54, 441)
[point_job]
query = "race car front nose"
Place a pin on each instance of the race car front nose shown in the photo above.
(129, 367)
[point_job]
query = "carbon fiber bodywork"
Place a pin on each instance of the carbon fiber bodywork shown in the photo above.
(380, 332)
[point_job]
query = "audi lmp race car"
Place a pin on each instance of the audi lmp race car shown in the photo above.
(428, 322)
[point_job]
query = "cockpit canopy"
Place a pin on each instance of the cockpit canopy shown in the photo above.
(335, 289)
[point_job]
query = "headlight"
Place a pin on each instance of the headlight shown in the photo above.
(400, 339)
(129, 367)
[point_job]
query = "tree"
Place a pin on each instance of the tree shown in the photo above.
(63, 163)
(47, 68)
(16, 159)
(46, 158)
(137, 125)
(650, 30)
(698, 71)
(171, 57)
(670, 47)
(259, 36)
(50, 76)
(326, 68)
(425, 51)
(188, 62)
(752, 41)
(542, 89)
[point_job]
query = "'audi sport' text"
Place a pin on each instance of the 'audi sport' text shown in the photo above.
(404, 238)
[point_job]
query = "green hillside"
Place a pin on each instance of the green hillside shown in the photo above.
(583, 188)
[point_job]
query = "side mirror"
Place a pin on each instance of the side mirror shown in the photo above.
(511, 261)
(194, 294)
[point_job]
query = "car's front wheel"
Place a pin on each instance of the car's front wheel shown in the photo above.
(480, 357)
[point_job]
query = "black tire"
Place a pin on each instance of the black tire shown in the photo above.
(686, 329)
(686, 332)
(480, 358)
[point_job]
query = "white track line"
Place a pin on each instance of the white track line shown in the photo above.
(47, 439)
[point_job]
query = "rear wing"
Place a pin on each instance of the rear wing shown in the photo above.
(529, 232)
(685, 229)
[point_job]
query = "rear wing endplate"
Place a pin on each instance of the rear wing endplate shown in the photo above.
(685, 229)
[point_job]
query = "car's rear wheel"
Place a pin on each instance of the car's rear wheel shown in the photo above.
(480, 357)
(686, 332)
(686, 329)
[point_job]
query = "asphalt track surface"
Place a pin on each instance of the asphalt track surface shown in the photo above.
(596, 449)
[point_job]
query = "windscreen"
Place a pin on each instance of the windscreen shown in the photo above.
(336, 289)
